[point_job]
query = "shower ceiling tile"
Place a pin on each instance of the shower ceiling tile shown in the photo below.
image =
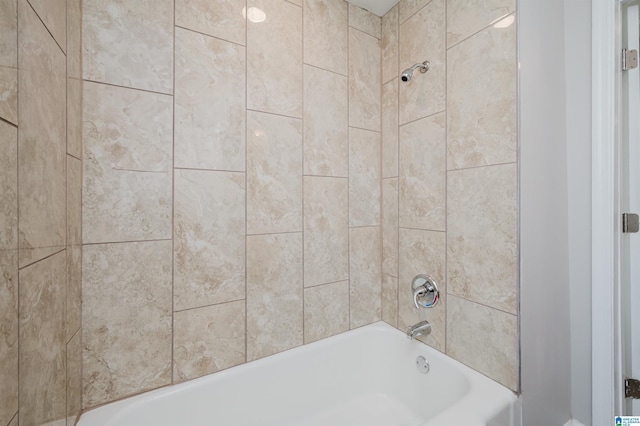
(326, 34)
(219, 18)
(467, 17)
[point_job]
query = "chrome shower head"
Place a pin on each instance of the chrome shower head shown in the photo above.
(408, 73)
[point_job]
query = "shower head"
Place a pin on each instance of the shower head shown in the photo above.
(408, 73)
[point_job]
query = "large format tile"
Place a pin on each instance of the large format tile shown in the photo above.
(390, 226)
(42, 341)
(482, 237)
(41, 139)
(390, 129)
(274, 173)
(74, 39)
(274, 294)
(9, 335)
(481, 101)
(54, 15)
(389, 44)
(126, 319)
(485, 339)
(422, 38)
(422, 190)
(9, 33)
(274, 59)
(8, 187)
(390, 300)
(129, 43)
(364, 80)
(210, 103)
(365, 276)
(364, 177)
(326, 34)
(74, 379)
(326, 123)
(209, 237)
(326, 230)
(409, 7)
(466, 17)
(364, 21)
(127, 164)
(9, 94)
(326, 310)
(223, 19)
(208, 339)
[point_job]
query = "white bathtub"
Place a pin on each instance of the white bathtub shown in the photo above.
(366, 376)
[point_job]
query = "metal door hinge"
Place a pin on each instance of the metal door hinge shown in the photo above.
(632, 388)
(630, 223)
(629, 59)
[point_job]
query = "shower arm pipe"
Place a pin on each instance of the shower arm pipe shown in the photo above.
(424, 67)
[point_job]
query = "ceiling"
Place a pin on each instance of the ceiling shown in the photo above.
(379, 7)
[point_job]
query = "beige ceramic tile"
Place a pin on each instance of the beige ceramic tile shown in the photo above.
(9, 335)
(42, 341)
(390, 226)
(390, 300)
(422, 186)
(14, 421)
(365, 276)
(74, 201)
(389, 44)
(465, 17)
(364, 80)
(126, 319)
(209, 237)
(296, 2)
(74, 379)
(274, 59)
(127, 164)
(326, 230)
(482, 225)
(8, 33)
(326, 311)
(223, 19)
(326, 123)
(409, 7)
(41, 140)
(422, 38)
(365, 21)
(74, 38)
(422, 252)
(74, 117)
(274, 173)
(274, 294)
(129, 43)
(483, 338)
(9, 94)
(8, 187)
(364, 178)
(209, 102)
(481, 104)
(326, 34)
(54, 15)
(390, 129)
(208, 339)
(74, 290)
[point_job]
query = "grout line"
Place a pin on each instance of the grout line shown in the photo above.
(126, 242)
(21, 268)
(326, 284)
(413, 14)
(191, 30)
(421, 229)
(2, 120)
(397, 193)
(193, 308)
(302, 203)
(86, 80)
(173, 204)
(246, 192)
(484, 166)
(47, 28)
(445, 268)
(488, 27)
(417, 119)
(349, 164)
(325, 69)
(273, 113)
(208, 170)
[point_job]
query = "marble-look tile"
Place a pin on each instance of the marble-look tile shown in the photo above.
(9, 94)
(126, 319)
(389, 44)
(209, 103)
(485, 339)
(74, 379)
(326, 123)
(53, 14)
(74, 39)
(482, 237)
(326, 310)
(74, 117)
(365, 21)
(14, 420)
(274, 59)
(223, 19)
(422, 252)
(9, 33)
(208, 339)
(365, 276)
(364, 80)
(326, 35)
(409, 7)
(127, 164)
(422, 186)
(42, 341)
(422, 38)
(296, 2)
(390, 129)
(364, 177)
(390, 300)
(8, 187)
(274, 173)
(41, 139)
(74, 201)
(209, 237)
(74, 290)
(129, 43)
(390, 226)
(482, 103)
(326, 230)
(274, 294)
(9, 334)
(465, 17)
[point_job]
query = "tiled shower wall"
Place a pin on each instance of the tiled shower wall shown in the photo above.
(231, 191)
(40, 223)
(450, 179)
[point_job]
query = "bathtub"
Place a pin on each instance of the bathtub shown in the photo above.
(367, 376)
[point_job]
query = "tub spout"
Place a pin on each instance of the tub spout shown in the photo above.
(422, 328)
